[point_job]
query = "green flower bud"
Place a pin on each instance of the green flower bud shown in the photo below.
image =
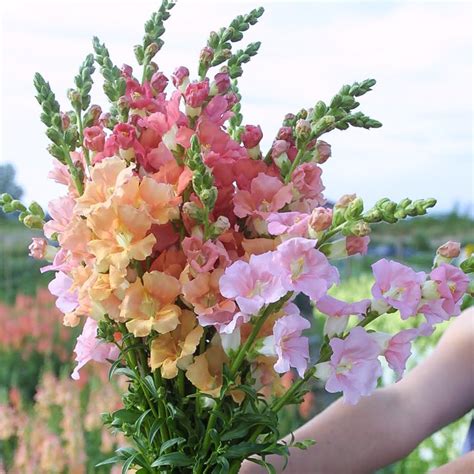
(468, 265)
(36, 209)
(18, 205)
(5, 198)
(7, 208)
(354, 209)
(33, 222)
(358, 228)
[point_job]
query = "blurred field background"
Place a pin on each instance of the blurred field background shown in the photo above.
(51, 424)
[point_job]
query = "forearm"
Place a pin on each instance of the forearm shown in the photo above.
(355, 439)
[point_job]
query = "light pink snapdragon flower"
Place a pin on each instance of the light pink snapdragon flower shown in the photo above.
(225, 322)
(339, 312)
(88, 348)
(397, 349)
(451, 284)
(294, 224)
(304, 269)
(307, 180)
(287, 343)
(202, 256)
(61, 288)
(398, 285)
(354, 366)
(61, 211)
(253, 284)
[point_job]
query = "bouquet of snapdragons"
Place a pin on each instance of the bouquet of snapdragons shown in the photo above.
(180, 246)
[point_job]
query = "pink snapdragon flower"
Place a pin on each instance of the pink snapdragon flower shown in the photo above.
(449, 250)
(357, 245)
(225, 322)
(253, 284)
(287, 344)
(267, 194)
(354, 366)
(61, 211)
(398, 285)
(307, 181)
(61, 288)
(294, 224)
(180, 76)
(304, 269)
(397, 349)
(88, 348)
(450, 286)
(94, 138)
(196, 93)
(37, 248)
(339, 312)
(202, 256)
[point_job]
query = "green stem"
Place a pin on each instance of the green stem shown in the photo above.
(295, 163)
(330, 233)
(73, 171)
(81, 134)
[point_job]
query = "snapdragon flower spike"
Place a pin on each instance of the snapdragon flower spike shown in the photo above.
(303, 269)
(253, 285)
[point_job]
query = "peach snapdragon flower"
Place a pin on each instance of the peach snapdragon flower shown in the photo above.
(121, 236)
(174, 349)
(149, 304)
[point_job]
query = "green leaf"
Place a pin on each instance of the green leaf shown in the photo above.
(112, 460)
(125, 416)
(171, 442)
(128, 463)
(269, 467)
(173, 459)
(245, 449)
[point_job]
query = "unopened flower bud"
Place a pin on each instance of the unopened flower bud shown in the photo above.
(449, 250)
(358, 228)
(303, 129)
(206, 55)
(192, 210)
(221, 225)
(232, 99)
(36, 209)
(285, 133)
(158, 82)
(65, 121)
(251, 136)
(289, 120)
(151, 50)
(344, 201)
(74, 97)
(5, 198)
(321, 219)
(127, 70)
(18, 205)
(354, 209)
(33, 222)
(180, 77)
(221, 84)
(92, 116)
(323, 151)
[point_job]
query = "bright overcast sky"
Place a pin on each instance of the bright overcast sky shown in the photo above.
(420, 53)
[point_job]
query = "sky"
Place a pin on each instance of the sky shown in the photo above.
(420, 53)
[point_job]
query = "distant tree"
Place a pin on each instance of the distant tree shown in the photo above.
(7, 183)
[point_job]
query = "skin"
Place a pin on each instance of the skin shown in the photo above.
(388, 425)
